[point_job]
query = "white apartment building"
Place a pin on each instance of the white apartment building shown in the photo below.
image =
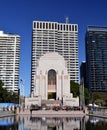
(55, 37)
(9, 60)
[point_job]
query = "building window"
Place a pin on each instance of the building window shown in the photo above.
(49, 25)
(40, 25)
(43, 25)
(52, 77)
(52, 25)
(37, 25)
(72, 27)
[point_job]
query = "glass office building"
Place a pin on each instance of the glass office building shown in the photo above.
(83, 74)
(96, 58)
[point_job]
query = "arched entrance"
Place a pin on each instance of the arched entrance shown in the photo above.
(51, 84)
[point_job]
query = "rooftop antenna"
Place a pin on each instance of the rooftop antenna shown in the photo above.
(67, 20)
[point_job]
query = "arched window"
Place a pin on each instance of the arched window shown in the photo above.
(51, 77)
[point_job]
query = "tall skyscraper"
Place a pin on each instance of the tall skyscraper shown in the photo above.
(9, 60)
(96, 58)
(55, 37)
(83, 73)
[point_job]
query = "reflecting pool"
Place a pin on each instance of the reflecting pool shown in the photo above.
(52, 123)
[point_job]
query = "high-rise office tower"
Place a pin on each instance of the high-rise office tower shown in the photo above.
(96, 58)
(83, 73)
(55, 37)
(9, 60)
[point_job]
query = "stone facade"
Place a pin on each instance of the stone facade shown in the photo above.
(52, 80)
(59, 83)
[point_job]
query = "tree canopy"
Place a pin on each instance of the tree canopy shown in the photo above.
(99, 98)
(75, 89)
(6, 96)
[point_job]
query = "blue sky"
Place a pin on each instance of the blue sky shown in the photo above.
(16, 16)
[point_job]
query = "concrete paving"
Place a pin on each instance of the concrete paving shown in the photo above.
(53, 113)
(6, 113)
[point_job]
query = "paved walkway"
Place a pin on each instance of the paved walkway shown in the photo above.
(6, 113)
(46, 113)
(53, 113)
(98, 114)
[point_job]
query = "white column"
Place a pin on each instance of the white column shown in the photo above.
(57, 90)
(40, 87)
(62, 84)
(46, 86)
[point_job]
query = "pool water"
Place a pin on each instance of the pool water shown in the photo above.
(27, 122)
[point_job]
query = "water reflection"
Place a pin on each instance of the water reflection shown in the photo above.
(8, 123)
(96, 123)
(52, 123)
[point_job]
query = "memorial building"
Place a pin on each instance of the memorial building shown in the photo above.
(52, 82)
